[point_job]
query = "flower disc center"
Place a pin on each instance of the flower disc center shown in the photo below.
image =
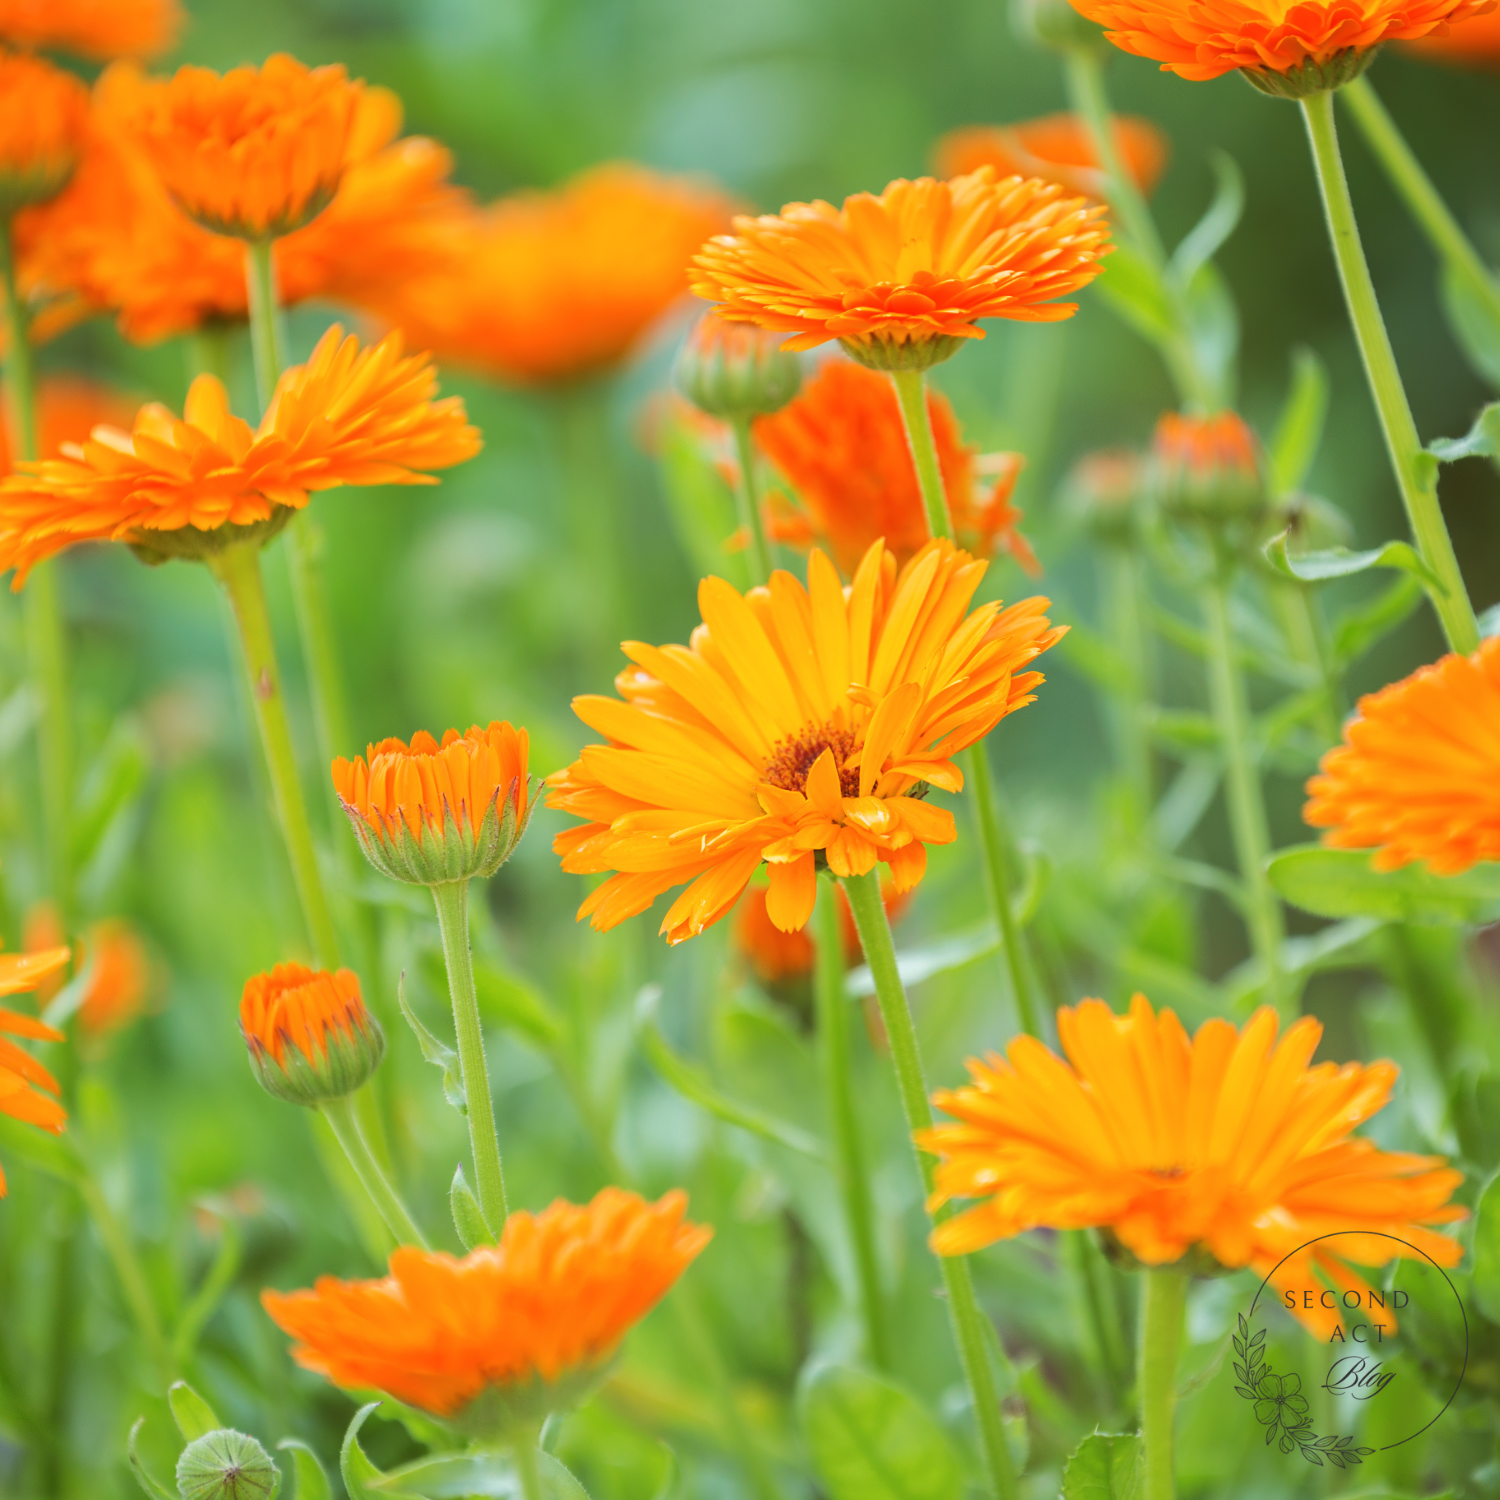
(792, 758)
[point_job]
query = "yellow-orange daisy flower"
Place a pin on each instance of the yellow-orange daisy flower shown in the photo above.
(309, 1035)
(898, 277)
(527, 1323)
(254, 152)
(21, 1075)
(1474, 43)
(1057, 148)
(776, 957)
(348, 416)
(1227, 1143)
(92, 28)
(44, 114)
(802, 725)
(1417, 776)
(439, 810)
(1327, 41)
(547, 287)
(841, 445)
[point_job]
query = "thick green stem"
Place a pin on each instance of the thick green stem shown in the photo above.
(747, 494)
(911, 392)
(1247, 808)
(1416, 472)
(1433, 216)
(1163, 1298)
(345, 1126)
(266, 342)
(237, 567)
(853, 1170)
(1303, 628)
(452, 901)
(964, 1314)
(527, 1469)
(133, 1284)
(319, 645)
(1124, 621)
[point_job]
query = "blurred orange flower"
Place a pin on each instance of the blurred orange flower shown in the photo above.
(1473, 43)
(91, 28)
(254, 152)
(841, 445)
(348, 416)
(115, 241)
(776, 957)
(69, 407)
(473, 1339)
(1057, 148)
(801, 720)
(1418, 774)
(21, 1075)
(546, 287)
(44, 115)
(1226, 1144)
(910, 270)
(1329, 42)
(1206, 465)
(121, 976)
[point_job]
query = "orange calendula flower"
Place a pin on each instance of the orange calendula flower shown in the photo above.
(255, 152)
(44, 114)
(547, 287)
(841, 446)
(803, 725)
(119, 970)
(1417, 776)
(1057, 148)
(309, 1035)
(1226, 1145)
(505, 1334)
(91, 28)
(348, 416)
(898, 279)
(1285, 49)
(1474, 43)
(778, 958)
(22, 1077)
(435, 811)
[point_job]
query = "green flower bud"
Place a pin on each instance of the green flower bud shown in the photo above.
(226, 1465)
(1054, 23)
(736, 370)
(1207, 469)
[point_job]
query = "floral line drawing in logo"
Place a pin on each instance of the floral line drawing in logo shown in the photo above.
(1281, 1408)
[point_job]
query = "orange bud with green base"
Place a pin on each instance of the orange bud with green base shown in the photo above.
(310, 1037)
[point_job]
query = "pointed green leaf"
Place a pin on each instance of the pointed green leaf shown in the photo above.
(468, 1220)
(1341, 883)
(312, 1482)
(1137, 295)
(52, 1154)
(1104, 1466)
(1340, 562)
(437, 1052)
(1203, 241)
(362, 1479)
(1299, 427)
(1481, 441)
(1487, 1252)
(1356, 630)
(194, 1416)
(144, 1477)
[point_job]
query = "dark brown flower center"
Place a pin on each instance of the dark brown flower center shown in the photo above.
(792, 758)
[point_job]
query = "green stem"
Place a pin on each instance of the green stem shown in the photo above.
(1163, 1297)
(747, 494)
(1433, 216)
(1090, 1271)
(527, 1469)
(1416, 472)
(1127, 633)
(964, 1315)
(132, 1278)
(911, 392)
(345, 1126)
(46, 642)
(853, 1170)
(1247, 808)
(266, 341)
(237, 567)
(998, 879)
(452, 902)
(1305, 635)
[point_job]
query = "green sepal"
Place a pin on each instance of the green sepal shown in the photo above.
(194, 1416)
(1312, 77)
(890, 355)
(349, 1059)
(312, 1482)
(468, 1219)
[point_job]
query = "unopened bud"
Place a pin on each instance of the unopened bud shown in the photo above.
(1053, 23)
(310, 1037)
(226, 1465)
(1104, 490)
(1207, 469)
(736, 370)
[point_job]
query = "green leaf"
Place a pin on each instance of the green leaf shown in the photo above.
(1481, 441)
(872, 1440)
(1299, 427)
(362, 1479)
(1202, 242)
(1341, 883)
(1474, 325)
(941, 957)
(194, 1416)
(1340, 562)
(110, 790)
(1213, 329)
(1487, 1251)
(1356, 630)
(467, 1217)
(512, 1002)
(312, 1482)
(54, 1155)
(701, 503)
(1137, 294)
(144, 1477)
(436, 1051)
(1104, 1466)
(1184, 731)
(459, 1476)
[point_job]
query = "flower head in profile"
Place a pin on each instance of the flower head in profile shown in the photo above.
(96, 29)
(1293, 50)
(1207, 467)
(735, 370)
(1228, 1145)
(544, 288)
(44, 116)
(309, 1035)
(779, 959)
(1474, 43)
(1057, 148)
(505, 1334)
(25, 1085)
(802, 727)
(841, 446)
(1417, 777)
(183, 488)
(900, 278)
(254, 152)
(436, 811)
